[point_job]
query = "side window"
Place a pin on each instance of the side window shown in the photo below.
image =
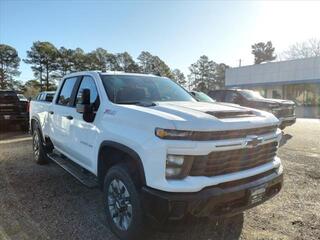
(66, 91)
(216, 95)
(232, 97)
(88, 82)
(49, 97)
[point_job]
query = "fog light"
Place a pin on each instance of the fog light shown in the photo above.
(174, 165)
(178, 166)
(175, 160)
(172, 172)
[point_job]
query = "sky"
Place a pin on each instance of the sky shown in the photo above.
(179, 32)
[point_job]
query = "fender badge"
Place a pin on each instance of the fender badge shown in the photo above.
(109, 111)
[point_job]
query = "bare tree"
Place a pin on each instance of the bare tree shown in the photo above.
(309, 48)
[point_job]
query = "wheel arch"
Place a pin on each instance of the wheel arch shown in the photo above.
(104, 164)
(34, 120)
(45, 139)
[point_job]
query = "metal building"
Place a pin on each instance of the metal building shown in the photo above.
(297, 80)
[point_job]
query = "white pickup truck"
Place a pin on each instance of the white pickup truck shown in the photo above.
(155, 151)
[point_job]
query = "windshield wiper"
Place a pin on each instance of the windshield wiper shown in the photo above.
(138, 103)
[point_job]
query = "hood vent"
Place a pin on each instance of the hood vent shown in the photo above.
(232, 114)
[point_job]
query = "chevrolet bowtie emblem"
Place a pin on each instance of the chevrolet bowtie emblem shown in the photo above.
(253, 141)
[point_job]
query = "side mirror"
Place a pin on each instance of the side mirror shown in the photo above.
(85, 107)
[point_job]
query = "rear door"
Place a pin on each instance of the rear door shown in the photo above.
(62, 116)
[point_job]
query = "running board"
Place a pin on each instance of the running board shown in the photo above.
(85, 177)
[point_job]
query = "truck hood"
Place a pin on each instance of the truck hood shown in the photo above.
(274, 101)
(203, 116)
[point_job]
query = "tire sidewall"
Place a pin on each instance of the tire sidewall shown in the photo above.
(41, 159)
(137, 228)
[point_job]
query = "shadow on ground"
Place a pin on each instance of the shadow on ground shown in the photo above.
(285, 138)
(45, 202)
(8, 132)
(193, 228)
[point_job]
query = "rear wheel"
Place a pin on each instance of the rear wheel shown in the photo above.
(122, 204)
(39, 152)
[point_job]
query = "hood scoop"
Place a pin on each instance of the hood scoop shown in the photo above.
(232, 114)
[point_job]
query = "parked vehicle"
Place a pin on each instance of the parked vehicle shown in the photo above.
(284, 110)
(156, 153)
(14, 109)
(46, 96)
(201, 97)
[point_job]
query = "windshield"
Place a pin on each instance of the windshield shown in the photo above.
(202, 97)
(21, 97)
(123, 89)
(251, 94)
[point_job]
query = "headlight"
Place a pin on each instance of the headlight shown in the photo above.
(172, 134)
(178, 166)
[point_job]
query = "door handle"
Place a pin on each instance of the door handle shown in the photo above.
(69, 117)
(51, 112)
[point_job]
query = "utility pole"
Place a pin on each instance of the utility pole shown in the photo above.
(240, 62)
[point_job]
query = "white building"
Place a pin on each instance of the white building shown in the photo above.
(297, 80)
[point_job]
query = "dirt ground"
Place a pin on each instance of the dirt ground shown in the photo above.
(45, 202)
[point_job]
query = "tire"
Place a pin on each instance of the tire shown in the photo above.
(124, 212)
(39, 151)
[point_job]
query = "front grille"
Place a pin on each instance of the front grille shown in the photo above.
(230, 134)
(8, 103)
(223, 162)
(286, 112)
(7, 107)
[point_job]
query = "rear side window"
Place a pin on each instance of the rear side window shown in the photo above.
(88, 82)
(65, 97)
(232, 97)
(38, 97)
(49, 97)
(217, 95)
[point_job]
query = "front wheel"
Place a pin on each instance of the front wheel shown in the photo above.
(122, 204)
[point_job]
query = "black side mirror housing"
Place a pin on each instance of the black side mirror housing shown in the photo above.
(85, 107)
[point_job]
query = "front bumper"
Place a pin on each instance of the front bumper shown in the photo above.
(287, 121)
(223, 199)
(7, 118)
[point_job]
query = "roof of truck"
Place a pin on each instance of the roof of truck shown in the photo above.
(111, 73)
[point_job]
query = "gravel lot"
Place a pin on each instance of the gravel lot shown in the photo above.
(44, 202)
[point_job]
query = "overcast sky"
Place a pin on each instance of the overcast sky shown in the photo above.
(179, 32)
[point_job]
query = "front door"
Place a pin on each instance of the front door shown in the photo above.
(84, 134)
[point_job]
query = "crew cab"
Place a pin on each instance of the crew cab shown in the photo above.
(14, 109)
(155, 152)
(284, 110)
